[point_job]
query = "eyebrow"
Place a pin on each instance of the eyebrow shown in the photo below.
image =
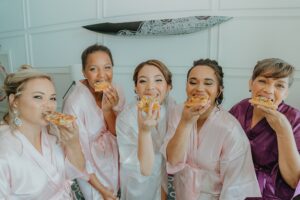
(155, 76)
(206, 79)
(42, 93)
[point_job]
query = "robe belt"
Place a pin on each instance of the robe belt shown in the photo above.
(64, 192)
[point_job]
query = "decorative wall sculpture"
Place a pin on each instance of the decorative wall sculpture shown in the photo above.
(176, 26)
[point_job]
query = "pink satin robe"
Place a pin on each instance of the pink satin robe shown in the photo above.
(135, 186)
(25, 173)
(218, 163)
(99, 145)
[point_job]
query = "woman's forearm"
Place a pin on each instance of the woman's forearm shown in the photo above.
(289, 159)
(75, 156)
(177, 147)
(145, 153)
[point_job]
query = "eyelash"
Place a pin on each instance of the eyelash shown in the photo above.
(38, 97)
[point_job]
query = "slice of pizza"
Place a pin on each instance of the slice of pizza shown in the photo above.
(101, 86)
(146, 101)
(196, 100)
(59, 119)
(263, 101)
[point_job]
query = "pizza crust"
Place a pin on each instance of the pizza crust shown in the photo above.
(59, 119)
(264, 102)
(194, 101)
(101, 86)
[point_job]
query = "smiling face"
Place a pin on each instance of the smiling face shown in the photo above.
(151, 82)
(202, 81)
(275, 89)
(37, 97)
(98, 68)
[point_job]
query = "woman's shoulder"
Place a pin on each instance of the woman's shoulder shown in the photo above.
(9, 143)
(240, 105)
(78, 91)
(292, 113)
(227, 120)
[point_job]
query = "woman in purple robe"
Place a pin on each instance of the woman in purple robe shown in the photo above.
(274, 134)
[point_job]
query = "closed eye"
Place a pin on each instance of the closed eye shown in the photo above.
(53, 98)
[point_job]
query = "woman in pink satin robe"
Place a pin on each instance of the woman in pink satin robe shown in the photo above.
(37, 160)
(96, 117)
(206, 148)
(274, 134)
(140, 135)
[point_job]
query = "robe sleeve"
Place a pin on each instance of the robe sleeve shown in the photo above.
(5, 187)
(173, 121)
(236, 167)
(120, 106)
(83, 135)
(72, 172)
(127, 132)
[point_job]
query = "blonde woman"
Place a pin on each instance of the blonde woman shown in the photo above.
(34, 164)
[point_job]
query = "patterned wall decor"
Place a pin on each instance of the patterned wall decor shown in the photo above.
(176, 26)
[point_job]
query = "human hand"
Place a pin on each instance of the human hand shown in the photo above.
(146, 121)
(278, 121)
(190, 114)
(110, 98)
(108, 194)
(69, 134)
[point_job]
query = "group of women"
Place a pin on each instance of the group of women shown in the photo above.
(251, 151)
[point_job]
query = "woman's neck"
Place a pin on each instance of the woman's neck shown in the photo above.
(202, 118)
(97, 95)
(256, 117)
(33, 135)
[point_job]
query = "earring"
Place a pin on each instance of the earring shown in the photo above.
(16, 120)
(250, 90)
(137, 97)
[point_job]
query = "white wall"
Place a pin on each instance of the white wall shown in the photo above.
(48, 35)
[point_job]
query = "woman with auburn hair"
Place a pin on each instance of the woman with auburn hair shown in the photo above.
(141, 129)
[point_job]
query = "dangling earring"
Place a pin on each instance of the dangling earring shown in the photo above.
(16, 120)
(250, 90)
(137, 98)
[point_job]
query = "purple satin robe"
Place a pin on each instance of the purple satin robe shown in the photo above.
(264, 148)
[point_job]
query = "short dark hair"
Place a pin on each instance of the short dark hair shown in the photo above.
(213, 64)
(92, 49)
(274, 68)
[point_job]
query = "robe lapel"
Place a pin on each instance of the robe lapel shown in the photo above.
(46, 165)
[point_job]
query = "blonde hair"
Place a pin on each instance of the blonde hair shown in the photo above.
(14, 83)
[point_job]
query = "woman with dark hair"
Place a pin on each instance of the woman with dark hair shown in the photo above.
(96, 109)
(141, 132)
(206, 148)
(273, 131)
